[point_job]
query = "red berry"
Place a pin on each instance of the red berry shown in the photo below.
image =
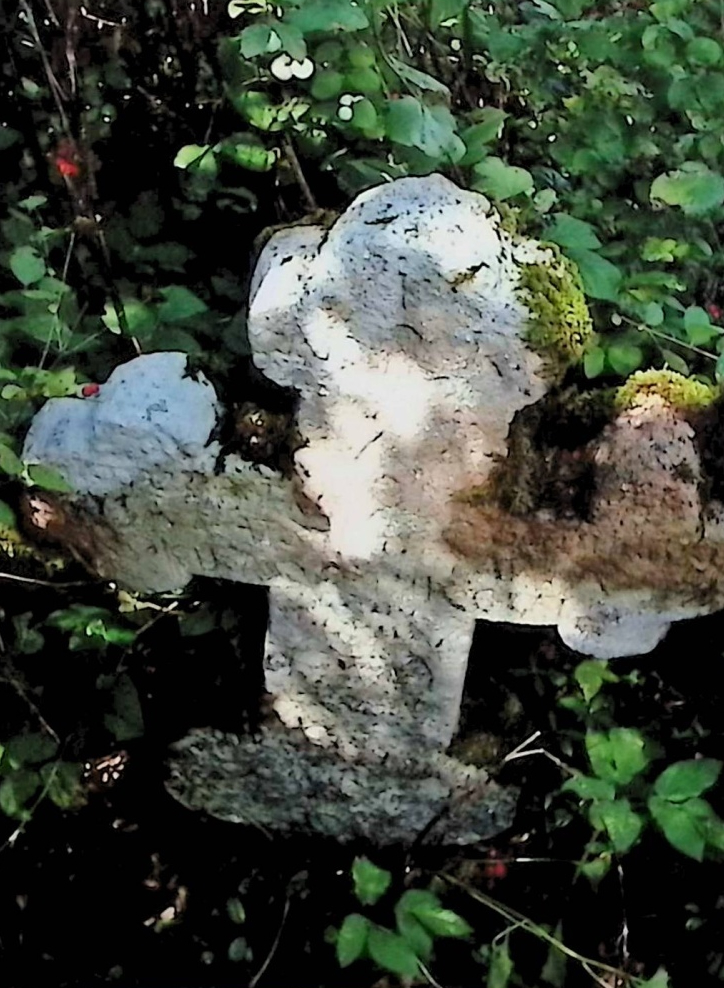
(495, 870)
(714, 311)
(68, 169)
(90, 390)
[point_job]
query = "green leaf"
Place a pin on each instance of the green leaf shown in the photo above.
(653, 314)
(8, 520)
(703, 51)
(259, 39)
(675, 362)
(622, 824)
(427, 908)
(248, 152)
(30, 749)
(392, 952)
(617, 755)
(501, 181)
(685, 825)
(10, 462)
(416, 78)
(591, 675)
(682, 780)
(325, 16)
(48, 478)
(431, 129)
(140, 319)
(352, 939)
(32, 203)
(624, 358)
(601, 279)
(238, 950)
(64, 785)
(235, 911)
(370, 882)
(659, 980)
(327, 84)
(27, 265)
(567, 231)
(126, 720)
(197, 157)
(414, 933)
(596, 869)
(587, 787)
(16, 792)
(694, 187)
(555, 968)
(488, 128)
(500, 966)
(594, 361)
(8, 137)
(179, 303)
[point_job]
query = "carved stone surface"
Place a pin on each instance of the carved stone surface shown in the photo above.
(403, 334)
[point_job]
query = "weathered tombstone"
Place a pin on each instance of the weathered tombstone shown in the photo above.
(412, 332)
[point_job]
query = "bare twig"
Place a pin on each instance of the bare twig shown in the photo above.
(293, 160)
(267, 961)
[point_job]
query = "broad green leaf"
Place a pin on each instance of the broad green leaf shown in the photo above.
(624, 358)
(27, 265)
(198, 157)
(370, 882)
(622, 824)
(496, 178)
(10, 462)
(500, 966)
(653, 314)
(16, 792)
(488, 127)
(324, 16)
(567, 231)
(364, 117)
(685, 825)
(292, 40)
(412, 75)
(675, 362)
(694, 187)
(392, 952)
(427, 908)
(238, 950)
(410, 928)
(140, 318)
(32, 203)
(8, 137)
(555, 968)
(48, 478)
(327, 84)
(682, 780)
(179, 303)
(601, 279)
(259, 39)
(659, 980)
(364, 81)
(30, 749)
(431, 129)
(352, 939)
(594, 361)
(617, 755)
(248, 152)
(587, 787)
(63, 781)
(703, 51)
(126, 720)
(591, 675)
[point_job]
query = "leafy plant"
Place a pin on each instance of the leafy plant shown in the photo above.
(420, 919)
(620, 795)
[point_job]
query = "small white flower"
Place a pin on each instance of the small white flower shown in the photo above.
(345, 113)
(281, 68)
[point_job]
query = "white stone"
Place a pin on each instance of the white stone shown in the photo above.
(402, 333)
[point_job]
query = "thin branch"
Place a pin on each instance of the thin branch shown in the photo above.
(293, 160)
(260, 973)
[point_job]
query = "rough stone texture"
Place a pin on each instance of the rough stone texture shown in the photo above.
(298, 786)
(401, 331)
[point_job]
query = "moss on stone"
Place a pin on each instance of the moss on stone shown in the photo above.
(560, 325)
(681, 392)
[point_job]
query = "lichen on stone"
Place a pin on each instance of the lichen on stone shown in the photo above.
(685, 393)
(560, 324)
